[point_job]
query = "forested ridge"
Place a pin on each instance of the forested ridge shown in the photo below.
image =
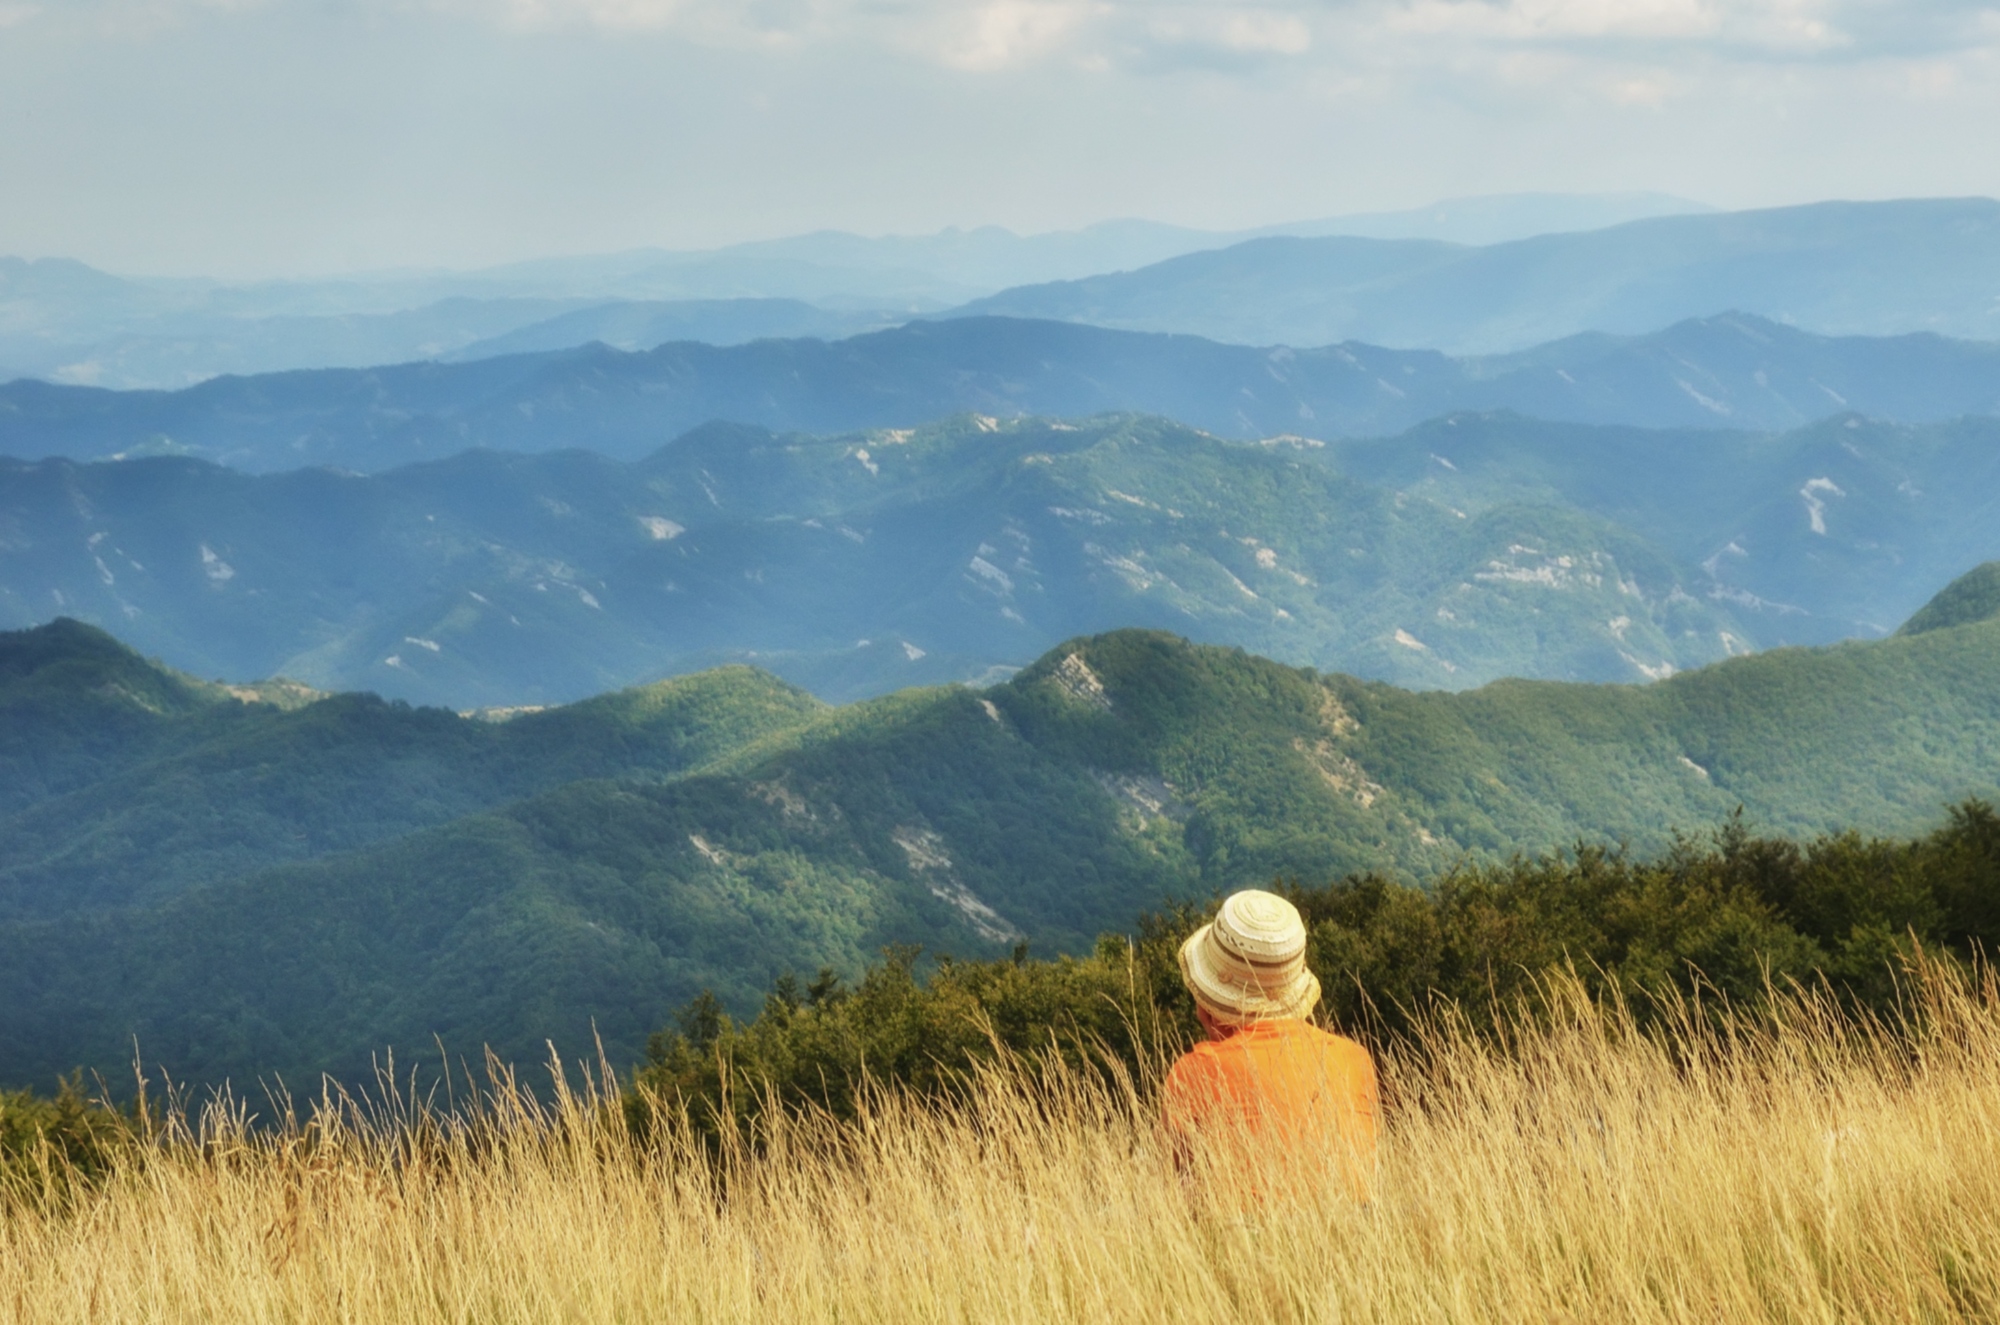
(253, 889)
(1470, 548)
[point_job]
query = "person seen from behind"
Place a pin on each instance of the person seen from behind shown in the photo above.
(1270, 1101)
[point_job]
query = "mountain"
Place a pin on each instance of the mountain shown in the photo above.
(175, 350)
(1972, 598)
(1474, 547)
(635, 325)
(1494, 218)
(1838, 268)
(989, 258)
(1115, 773)
(851, 564)
(1833, 530)
(1731, 371)
(170, 349)
(128, 782)
(63, 321)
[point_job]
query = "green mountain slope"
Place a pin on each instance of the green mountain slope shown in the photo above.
(1972, 597)
(1115, 773)
(133, 783)
(74, 701)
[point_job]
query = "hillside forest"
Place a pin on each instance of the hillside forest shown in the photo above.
(276, 882)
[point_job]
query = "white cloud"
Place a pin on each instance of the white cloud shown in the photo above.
(1531, 20)
(998, 34)
(1332, 35)
(985, 36)
(1234, 29)
(1772, 26)
(122, 18)
(763, 23)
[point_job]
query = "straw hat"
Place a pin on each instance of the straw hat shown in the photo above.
(1249, 963)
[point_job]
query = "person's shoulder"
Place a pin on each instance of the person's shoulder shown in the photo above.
(1198, 1058)
(1198, 1070)
(1333, 1042)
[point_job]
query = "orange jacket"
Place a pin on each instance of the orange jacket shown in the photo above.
(1283, 1099)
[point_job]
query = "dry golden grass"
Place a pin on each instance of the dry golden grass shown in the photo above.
(1801, 1168)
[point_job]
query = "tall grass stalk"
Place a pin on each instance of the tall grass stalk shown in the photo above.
(1795, 1164)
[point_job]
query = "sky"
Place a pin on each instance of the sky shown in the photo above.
(248, 138)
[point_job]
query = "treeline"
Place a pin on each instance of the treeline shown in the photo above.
(1725, 918)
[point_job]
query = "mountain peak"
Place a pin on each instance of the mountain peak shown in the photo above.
(63, 640)
(1971, 598)
(67, 656)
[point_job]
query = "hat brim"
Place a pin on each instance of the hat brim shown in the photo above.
(1236, 993)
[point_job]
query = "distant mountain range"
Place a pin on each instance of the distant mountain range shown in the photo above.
(1862, 269)
(252, 888)
(63, 321)
(1474, 547)
(171, 350)
(1878, 268)
(1733, 371)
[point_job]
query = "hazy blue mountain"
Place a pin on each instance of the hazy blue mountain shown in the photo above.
(63, 321)
(1840, 528)
(1736, 370)
(39, 293)
(1495, 218)
(176, 350)
(642, 325)
(851, 564)
(1114, 774)
(1478, 546)
(988, 258)
(832, 267)
(1877, 268)
(1732, 371)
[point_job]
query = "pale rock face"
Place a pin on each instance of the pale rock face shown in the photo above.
(1074, 679)
(661, 529)
(927, 857)
(219, 572)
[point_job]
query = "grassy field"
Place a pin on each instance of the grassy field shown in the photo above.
(1792, 1167)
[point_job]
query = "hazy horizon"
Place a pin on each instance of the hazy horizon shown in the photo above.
(247, 139)
(1330, 224)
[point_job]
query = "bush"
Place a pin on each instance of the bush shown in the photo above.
(1729, 917)
(48, 1145)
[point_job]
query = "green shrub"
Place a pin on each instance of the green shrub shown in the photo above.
(47, 1145)
(1730, 917)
